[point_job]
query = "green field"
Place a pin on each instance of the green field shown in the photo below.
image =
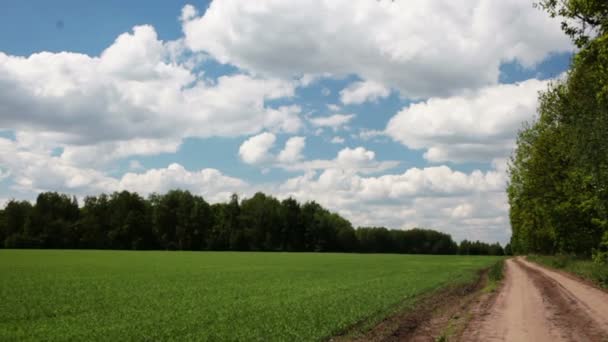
(113, 295)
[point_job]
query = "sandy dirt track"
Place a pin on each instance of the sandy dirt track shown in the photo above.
(537, 304)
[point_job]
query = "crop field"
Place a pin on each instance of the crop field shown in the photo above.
(113, 295)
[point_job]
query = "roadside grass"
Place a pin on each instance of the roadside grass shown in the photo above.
(584, 268)
(210, 296)
(458, 323)
(450, 330)
(409, 310)
(495, 276)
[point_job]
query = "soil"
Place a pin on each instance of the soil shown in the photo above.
(429, 319)
(538, 304)
(533, 303)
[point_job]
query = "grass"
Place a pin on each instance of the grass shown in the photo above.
(583, 268)
(120, 295)
(495, 275)
(458, 323)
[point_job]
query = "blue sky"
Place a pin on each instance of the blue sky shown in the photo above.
(389, 114)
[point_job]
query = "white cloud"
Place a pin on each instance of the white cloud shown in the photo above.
(466, 205)
(363, 91)
(4, 174)
(357, 160)
(188, 12)
(139, 94)
(337, 140)
(306, 80)
(293, 150)
(105, 152)
(333, 107)
(470, 205)
(464, 210)
(478, 126)
(355, 156)
(335, 121)
(255, 150)
(414, 182)
(210, 183)
(72, 114)
(423, 48)
(35, 171)
(135, 165)
(367, 134)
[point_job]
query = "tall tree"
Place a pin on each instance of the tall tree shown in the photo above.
(558, 190)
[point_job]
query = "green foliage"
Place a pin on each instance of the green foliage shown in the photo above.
(480, 248)
(413, 241)
(558, 190)
(600, 255)
(584, 268)
(495, 275)
(508, 250)
(496, 271)
(581, 19)
(15, 219)
(209, 296)
(179, 220)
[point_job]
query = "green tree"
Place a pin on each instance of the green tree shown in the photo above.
(16, 215)
(558, 189)
(581, 19)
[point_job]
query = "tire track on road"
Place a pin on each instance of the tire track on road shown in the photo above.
(536, 304)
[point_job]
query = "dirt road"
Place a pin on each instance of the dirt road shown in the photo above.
(537, 304)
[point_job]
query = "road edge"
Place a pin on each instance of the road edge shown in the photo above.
(440, 315)
(568, 274)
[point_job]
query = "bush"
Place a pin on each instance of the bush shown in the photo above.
(560, 261)
(600, 255)
(587, 269)
(496, 271)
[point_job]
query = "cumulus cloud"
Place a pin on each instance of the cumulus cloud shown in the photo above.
(337, 140)
(358, 160)
(478, 126)
(293, 150)
(423, 49)
(440, 181)
(470, 205)
(135, 165)
(333, 107)
(138, 90)
(188, 12)
(368, 134)
(363, 91)
(105, 152)
(255, 150)
(34, 171)
(355, 156)
(4, 174)
(72, 114)
(467, 205)
(335, 121)
(210, 183)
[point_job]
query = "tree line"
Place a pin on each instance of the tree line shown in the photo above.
(179, 220)
(558, 189)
